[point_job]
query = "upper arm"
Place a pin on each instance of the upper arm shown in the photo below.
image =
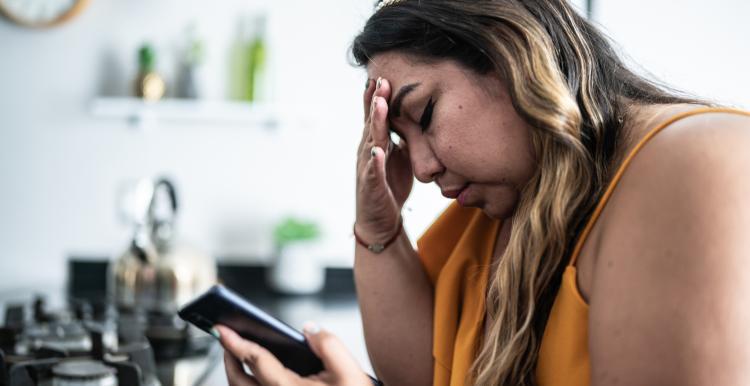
(669, 302)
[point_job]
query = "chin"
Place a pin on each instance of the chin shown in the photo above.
(497, 215)
(502, 207)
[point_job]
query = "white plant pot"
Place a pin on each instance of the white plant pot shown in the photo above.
(296, 271)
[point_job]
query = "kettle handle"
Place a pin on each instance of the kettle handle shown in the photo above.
(149, 227)
(171, 191)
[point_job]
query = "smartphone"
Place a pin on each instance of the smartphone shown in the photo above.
(220, 305)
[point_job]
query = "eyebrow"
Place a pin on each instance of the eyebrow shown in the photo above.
(399, 99)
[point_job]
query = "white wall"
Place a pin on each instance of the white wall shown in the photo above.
(61, 168)
(697, 46)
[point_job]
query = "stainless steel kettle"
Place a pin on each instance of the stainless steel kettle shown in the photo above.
(157, 274)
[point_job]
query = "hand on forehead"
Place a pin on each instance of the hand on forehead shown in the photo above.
(402, 70)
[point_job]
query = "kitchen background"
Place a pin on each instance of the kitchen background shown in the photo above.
(62, 166)
(71, 141)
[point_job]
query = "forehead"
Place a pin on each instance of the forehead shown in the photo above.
(401, 69)
(391, 65)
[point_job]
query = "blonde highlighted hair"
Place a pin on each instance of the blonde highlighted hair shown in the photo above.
(568, 83)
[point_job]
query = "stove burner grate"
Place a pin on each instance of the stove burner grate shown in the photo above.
(83, 372)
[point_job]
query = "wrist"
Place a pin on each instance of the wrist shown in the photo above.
(378, 243)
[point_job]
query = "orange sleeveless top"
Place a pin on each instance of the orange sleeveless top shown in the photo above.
(456, 252)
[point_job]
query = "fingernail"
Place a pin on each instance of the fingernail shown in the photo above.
(367, 83)
(377, 85)
(373, 152)
(215, 333)
(311, 328)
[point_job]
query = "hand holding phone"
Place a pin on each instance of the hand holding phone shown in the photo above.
(340, 367)
(264, 334)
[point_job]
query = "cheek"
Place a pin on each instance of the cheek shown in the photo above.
(485, 153)
(462, 138)
(459, 153)
(453, 137)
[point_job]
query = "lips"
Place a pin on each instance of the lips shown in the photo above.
(453, 193)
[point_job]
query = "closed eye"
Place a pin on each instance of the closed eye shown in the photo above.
(424, 121)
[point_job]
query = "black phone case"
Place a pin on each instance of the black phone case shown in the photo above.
(220, 305)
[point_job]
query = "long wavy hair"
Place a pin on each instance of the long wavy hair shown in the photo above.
(568, 83)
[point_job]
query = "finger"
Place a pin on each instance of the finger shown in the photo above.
(266, 368)
(379, 123)
(369, 92)
(383, 95)
(375, 168)
(381, 92)
(375, 87)
(378, 88)
(383, 88)
(367, 97)
(367, 141)
(366, 131)
(236, 375)
(334, 355)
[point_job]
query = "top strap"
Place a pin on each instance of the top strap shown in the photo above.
(621, 170)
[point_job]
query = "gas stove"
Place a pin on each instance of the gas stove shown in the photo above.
(77, 325)
(39, 347)
(85, 340)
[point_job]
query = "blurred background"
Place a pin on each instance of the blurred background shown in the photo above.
(252, 111)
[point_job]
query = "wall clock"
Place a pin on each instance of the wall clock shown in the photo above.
(41, 13)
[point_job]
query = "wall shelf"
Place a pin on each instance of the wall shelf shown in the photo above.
(138, 112)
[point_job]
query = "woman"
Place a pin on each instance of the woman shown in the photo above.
(582, 248)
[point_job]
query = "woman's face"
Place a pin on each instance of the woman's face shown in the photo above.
(461, 129)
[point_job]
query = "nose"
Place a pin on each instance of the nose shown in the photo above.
(424, 163)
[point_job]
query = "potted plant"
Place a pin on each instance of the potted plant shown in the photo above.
(295, 270)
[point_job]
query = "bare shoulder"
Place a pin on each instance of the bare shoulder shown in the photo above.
(668, 297)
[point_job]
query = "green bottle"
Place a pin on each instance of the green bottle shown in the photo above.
(256, 70)
(238, 62)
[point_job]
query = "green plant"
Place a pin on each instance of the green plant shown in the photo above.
(292, 230)
(146, 58)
